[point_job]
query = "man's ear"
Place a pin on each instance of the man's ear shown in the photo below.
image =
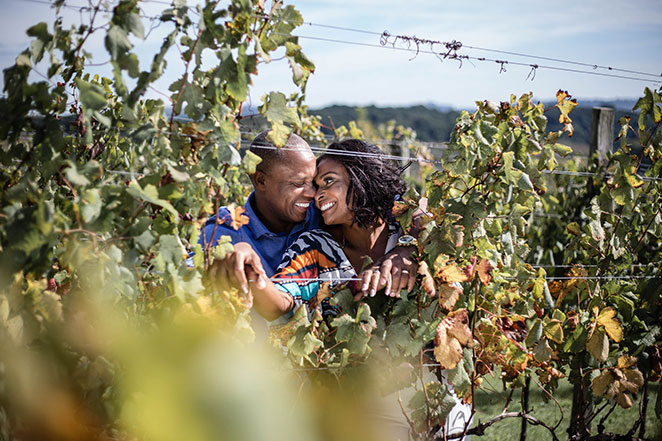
(259, 180)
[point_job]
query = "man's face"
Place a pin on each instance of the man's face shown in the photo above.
(286, 190)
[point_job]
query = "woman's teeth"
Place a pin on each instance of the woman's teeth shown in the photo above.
(327, 206)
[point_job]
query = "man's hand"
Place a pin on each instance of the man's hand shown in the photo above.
(239, 267)
(393, 272)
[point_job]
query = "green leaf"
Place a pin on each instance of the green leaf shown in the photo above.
(647, 107)
(74, 177)
(178, 176)
(459, 377)
(92, 96)
(145, 240)
(170, 254)
(134, 24)
(92, 204)
(355, 331)
(117, 42)
(553, 330)
(275, 109)
(250, 161)
(542, 351)
(597, 232)
(150, 194)
(42, 38)
(535, 334)
(561, 149)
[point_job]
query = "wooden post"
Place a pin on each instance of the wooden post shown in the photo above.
(602, 132)
(602, 135)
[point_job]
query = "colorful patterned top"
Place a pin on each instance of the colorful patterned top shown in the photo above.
(316, 255)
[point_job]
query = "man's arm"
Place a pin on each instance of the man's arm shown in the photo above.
(243, 268)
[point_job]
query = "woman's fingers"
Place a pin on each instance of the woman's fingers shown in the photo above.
(396, 281)
(366, 276)
(374, 282)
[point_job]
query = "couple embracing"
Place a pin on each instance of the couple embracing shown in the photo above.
(315, 221)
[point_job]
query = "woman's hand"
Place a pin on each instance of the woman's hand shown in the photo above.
(393, 272)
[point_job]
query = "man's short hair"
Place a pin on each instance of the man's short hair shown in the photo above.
(271, 155)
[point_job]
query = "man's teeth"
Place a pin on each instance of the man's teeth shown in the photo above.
(302, 204)
(326, 206)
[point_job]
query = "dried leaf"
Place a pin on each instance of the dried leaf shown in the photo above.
(573, 319)
(635, 377)
(452, 333)
(485, 271)
(448, 295)
(601, 383)
(513, 330)
(624, 401)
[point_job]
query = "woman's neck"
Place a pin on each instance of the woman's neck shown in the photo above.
(359, 242)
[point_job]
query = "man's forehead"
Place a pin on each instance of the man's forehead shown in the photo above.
(296, 163)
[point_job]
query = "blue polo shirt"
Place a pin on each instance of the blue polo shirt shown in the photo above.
(269, 246)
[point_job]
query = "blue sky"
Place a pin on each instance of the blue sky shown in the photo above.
(613, 33)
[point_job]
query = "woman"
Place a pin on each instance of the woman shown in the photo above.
(355, 193)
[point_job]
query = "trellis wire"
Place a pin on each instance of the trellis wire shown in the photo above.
(431, 42)
(358, 279)
(468, 57)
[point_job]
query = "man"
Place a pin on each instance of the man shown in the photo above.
(279, 210)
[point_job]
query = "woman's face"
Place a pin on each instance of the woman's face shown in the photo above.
(332, 182)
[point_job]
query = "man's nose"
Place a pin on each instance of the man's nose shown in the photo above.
(309, 191)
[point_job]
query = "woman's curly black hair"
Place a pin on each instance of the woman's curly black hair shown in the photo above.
(374, 182)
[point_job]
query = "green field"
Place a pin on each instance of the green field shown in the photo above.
(490, 399)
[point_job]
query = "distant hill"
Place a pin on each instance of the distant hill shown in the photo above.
(435, 124)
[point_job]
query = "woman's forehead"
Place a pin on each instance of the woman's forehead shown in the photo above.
(326, 165)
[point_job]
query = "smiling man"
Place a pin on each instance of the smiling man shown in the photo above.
(279, 209)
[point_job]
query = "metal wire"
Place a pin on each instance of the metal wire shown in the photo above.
(499, 51)
(468, 57)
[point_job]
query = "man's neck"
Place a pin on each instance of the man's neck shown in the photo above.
(272, 224)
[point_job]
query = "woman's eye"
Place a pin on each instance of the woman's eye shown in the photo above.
(328, 181)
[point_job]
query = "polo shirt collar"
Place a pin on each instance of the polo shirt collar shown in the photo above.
(255, 225)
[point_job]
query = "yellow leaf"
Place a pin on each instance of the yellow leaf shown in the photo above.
(448, 295)
(447, 351)
(613, 327)
(452, 333)
(239, 219)
(625, 361)
(452, 273)
(598, 345)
